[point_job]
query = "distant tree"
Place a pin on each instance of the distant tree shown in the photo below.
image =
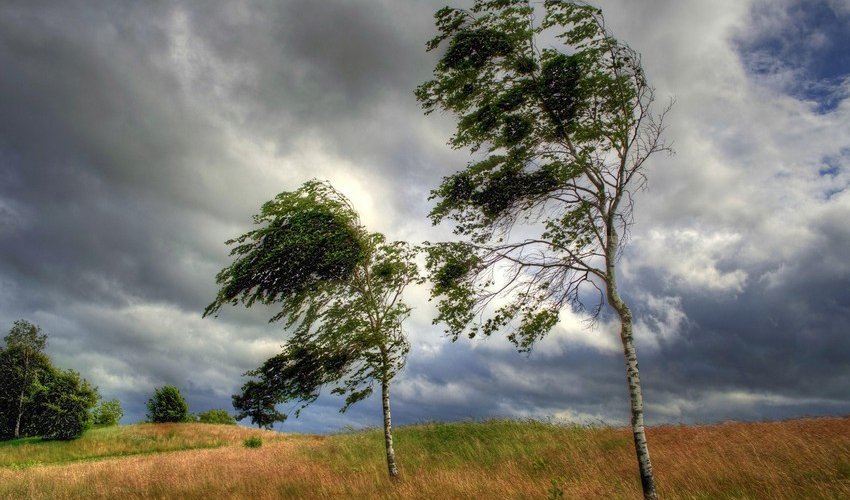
(62, 405)
(107, 413)
(215, 417)
(22, 361)
(167, 405)
(339, 287)
(546, 211)
(258, 402)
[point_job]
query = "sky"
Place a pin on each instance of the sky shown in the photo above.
(137, 137)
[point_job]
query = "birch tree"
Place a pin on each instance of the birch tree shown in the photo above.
(559, 114)
(21, 362)
(340, 290)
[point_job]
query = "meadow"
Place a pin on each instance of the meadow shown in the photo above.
(808, 458)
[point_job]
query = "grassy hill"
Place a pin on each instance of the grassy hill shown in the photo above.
(807, 458)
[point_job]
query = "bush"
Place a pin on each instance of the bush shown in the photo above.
(253, 442)
(107, 413)
(167, 405)
(64, 401)
(215, 417)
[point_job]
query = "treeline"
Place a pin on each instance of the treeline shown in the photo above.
(168, 405)
(40, 399)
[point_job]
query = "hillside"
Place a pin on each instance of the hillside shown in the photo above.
(807, 458)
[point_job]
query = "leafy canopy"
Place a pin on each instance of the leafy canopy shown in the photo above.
(561, 134)
(35, 397)
(307, 243)
(167, 405)
(258, 402)
(339, 289)
(107, 413)
(217, 416)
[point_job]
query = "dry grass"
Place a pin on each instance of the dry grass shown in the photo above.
(795, 459)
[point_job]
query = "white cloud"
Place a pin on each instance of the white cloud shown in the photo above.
(691, 259)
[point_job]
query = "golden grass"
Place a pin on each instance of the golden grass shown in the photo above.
(795, 459)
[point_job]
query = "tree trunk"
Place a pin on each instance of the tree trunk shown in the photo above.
(388, 429)
(20, 412)
(21, 399)
(635, 395)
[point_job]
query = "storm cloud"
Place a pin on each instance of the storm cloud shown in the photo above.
(135, 138)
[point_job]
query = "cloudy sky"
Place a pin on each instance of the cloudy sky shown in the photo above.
(136, 137)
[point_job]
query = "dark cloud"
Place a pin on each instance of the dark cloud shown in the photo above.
(136, 137)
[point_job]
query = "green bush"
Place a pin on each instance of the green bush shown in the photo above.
(215, 417)
(167, 405)
(107, 413)
(253, 442)
(64, 401)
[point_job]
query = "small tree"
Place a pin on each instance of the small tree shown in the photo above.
(167, 405)
(340, 289)
(220, 416)
(258, 402)
(566, 135)
(107, 413)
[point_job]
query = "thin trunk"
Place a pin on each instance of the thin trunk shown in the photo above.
(20, 412)
(388, 429)
(632, 373)
(21, 399)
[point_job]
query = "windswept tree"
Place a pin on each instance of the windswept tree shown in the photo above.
(22, 361)
(563, 134)
(339, 289)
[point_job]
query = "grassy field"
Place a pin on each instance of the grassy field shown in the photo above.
(500, 459)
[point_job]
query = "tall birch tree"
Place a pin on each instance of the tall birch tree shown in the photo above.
(340, 290)
(560, 115)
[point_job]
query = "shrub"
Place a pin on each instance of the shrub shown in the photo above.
(107, 413)
(253, 442)
(64, 401)
(167, 405)
(216, 417)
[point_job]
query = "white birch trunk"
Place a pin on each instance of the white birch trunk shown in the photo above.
(632, 374)
(388, 429)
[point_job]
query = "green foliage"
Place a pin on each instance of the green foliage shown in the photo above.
(309, 240)
(219, 416)
(22, 364)
(253, 442)
(563, 134)
(555, 492)
(37, 399)
(107, 413)
(346, 324)
(62, 406)
(258, 401)
(167, 405)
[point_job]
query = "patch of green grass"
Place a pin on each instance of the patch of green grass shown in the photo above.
(104, 442)
(434, 445)
(253, 442)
